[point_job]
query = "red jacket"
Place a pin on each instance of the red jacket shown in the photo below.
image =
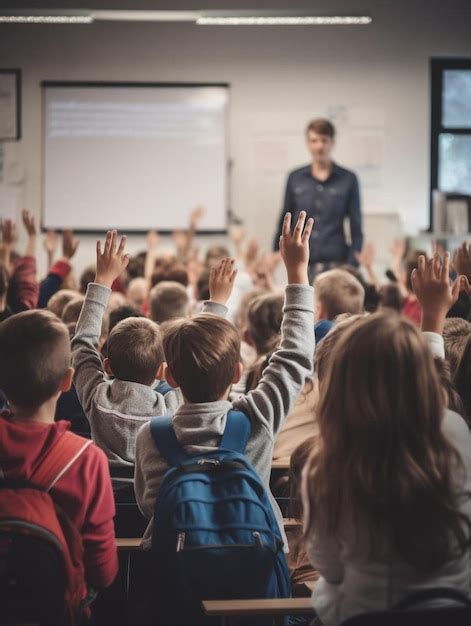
(84, 491)
(412, 310)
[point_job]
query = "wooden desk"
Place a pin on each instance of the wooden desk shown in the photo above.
(277, 608)
(281, 464)
(130, 544)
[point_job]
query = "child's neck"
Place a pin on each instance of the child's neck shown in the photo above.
(43, 414)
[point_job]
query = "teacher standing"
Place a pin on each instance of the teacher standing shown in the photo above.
(328, 193)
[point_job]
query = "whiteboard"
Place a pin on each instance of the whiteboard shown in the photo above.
(134, 156)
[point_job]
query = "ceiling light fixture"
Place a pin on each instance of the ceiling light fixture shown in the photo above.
(45, 19)
(286, 20)
(247, 17)
(49, 16)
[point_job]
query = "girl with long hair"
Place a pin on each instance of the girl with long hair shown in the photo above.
(386, 492)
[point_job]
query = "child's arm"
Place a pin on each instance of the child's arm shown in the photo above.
(50, 245)
(436, 296)
(100, 556)
(149, 471)
(292, 363)
(8, 230)
(59, 270)
(85, 358)
(26, 285)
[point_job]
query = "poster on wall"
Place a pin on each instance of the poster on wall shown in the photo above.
(10, 116)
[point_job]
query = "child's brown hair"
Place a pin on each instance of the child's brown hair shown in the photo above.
(264, 317)
(168, 301)
(202, 354)
(455, 335)
(34, 357)
(135, 350)
(57, 302)
(339, 292)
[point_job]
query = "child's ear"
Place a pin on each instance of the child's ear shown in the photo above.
(238, 371)
(66, 382)
(320, 312)
(160, 375)
(107, 367)
(247, 337)
(168, 377)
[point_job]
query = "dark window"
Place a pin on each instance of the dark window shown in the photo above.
(451, 127)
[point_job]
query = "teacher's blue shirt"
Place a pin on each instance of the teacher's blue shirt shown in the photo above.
(329, 202)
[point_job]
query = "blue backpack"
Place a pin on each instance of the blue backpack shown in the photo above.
(215, 533)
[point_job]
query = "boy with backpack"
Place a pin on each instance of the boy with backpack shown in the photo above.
(122, 393)
(40, 458)
(203, 360)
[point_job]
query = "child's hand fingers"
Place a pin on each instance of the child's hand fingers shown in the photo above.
(457, 287)
(286, 231)
(421, 265)
(436, 265)
(230, 267)
(108, 242)
(114, 237)
(445, 273)
(308, 230)
(414, 277)
(298, 229)
(232, 276)
(122, 245)
(98, 247)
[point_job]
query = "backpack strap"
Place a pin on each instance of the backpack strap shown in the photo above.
(237, 432)
(235, 437)
(61, 455)
(166, 441)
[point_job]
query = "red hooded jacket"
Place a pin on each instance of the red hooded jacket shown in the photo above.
(84, 491)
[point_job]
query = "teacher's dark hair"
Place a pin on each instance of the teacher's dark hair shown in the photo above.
(321, 126)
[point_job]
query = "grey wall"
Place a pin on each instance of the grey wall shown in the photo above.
(375, 78)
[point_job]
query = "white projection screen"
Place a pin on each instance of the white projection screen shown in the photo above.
(134, 156)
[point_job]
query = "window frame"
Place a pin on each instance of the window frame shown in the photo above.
(437, 69)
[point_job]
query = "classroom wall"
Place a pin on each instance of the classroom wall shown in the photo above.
(373, 80)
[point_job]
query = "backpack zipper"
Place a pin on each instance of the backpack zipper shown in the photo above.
(180, 541)
(255, 534)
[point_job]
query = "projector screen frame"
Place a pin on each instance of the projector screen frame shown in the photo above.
(134, 84)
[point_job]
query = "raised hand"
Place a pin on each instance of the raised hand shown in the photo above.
(435, 293)
(29, 223)
(221, 281)
(294, 248)
(195, 216)
(8, 238)
(251, 254)
(462, 260)
(153, 240)
(8, 233)
(181, 240)
(30, 226)
(50, 242)
(69, 244)
(112, 261)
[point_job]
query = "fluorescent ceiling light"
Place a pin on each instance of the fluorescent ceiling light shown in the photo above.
(49, 16)
(46, 19)
(247, 17)
(283, 20)
(292, 17)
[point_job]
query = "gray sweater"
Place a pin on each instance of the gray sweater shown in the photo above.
(199, 427)
(116, 409)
